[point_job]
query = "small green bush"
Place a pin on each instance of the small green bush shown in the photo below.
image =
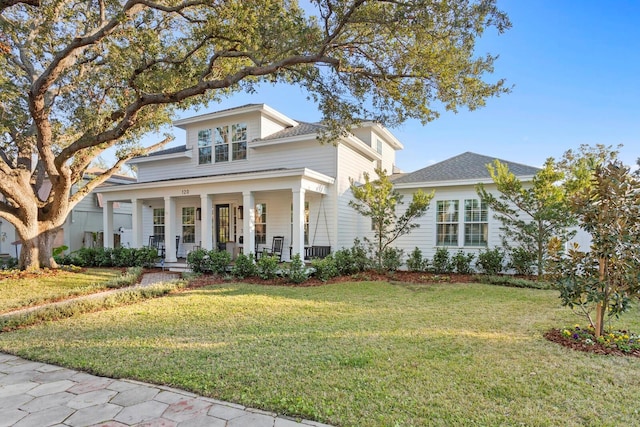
(219, 261)
(297, 272)
(416, 262)
(325, 268)
(490, 261)
(198, 261)
(8, 263)
(106, 257)
(392, 259)
(244, 267)
(461, 262)
(522, 261)
(441, 263)
(267, 267)
(353, 260)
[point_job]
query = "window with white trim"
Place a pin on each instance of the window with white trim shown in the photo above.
(221, 140)
(261, 223)
(379, 145)
(188, 225)
(222, 144)
(447, 223)
(239, 141)
(476, 223)
(204, 146)
(158, 223)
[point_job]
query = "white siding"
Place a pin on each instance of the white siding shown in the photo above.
(268, 127)
(424, 237)
(310, 154)
(350, 223)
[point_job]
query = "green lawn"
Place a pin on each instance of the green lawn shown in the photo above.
(356, 354)
(37, 289)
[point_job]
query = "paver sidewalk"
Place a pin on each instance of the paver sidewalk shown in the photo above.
(38, 394)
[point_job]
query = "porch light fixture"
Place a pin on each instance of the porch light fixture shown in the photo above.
(198, 214)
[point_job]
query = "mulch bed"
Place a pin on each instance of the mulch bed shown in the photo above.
(556, 336)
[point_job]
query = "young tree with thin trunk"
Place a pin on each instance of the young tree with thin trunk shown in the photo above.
(379, 201)
(80, 77)
(531, 216)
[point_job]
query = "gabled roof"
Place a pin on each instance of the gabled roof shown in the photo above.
(463, 167)
(302, 128)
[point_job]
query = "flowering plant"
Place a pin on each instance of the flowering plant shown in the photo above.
(622, 340)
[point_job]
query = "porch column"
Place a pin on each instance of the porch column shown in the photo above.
(249, 222)
(297, 240)
(170, 229)
(107, 224)
(206, 233)
(136, 223)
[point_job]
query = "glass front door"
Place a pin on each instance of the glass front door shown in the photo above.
(223, 223)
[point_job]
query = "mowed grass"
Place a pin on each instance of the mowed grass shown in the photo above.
(16, 293)
(356, 354)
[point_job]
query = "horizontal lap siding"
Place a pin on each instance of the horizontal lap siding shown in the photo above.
(350, 223)
(424, 237)
(310, 154)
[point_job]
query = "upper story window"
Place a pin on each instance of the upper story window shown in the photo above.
(204, 146)
(215, 146)
(379, 145)
(239, 140)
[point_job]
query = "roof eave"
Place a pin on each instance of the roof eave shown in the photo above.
(144, 159)
(268, 111)
(453, 182)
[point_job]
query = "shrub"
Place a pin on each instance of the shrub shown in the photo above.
(297, 273)
(415, 262)
(392, 259)
(105, 257)
(218, 261)
(325, 268)
(522, 261)
(198, 260)
(461, 262)
(490, 261)
(243, 267)
(8, 263)
(267, 267)
(441, 262)
(351, 261)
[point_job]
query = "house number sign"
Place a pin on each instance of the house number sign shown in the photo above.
(185, 191)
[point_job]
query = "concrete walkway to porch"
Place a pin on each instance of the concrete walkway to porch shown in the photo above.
(39, 394)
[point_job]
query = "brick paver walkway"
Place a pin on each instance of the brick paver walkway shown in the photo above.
(37, 394)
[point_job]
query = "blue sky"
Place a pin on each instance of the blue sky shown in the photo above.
(575, 71)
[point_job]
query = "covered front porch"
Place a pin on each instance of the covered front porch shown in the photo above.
(240, 213)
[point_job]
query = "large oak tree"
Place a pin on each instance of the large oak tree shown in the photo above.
(78, 77)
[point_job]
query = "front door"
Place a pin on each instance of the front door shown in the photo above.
(223, 221)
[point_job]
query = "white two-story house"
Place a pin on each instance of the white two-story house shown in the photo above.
(246, 175)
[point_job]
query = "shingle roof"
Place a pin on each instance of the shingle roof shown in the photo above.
(303, 128)
(465, 166)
